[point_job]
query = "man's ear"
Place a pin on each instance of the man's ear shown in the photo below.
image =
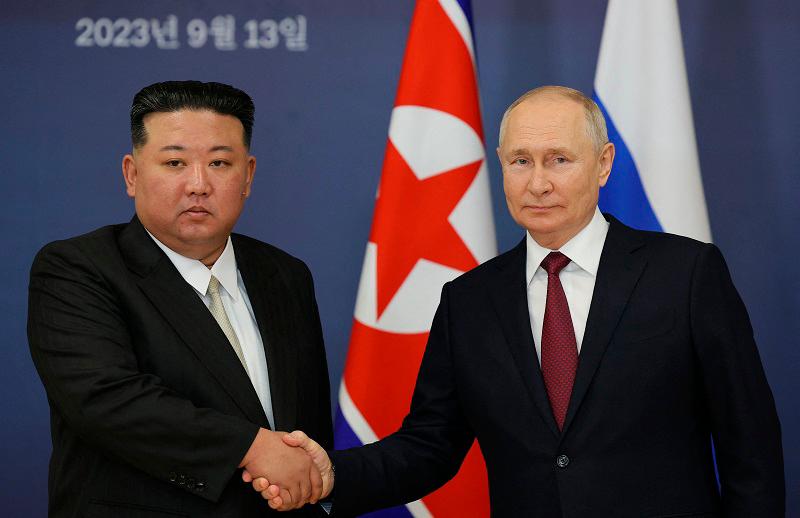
(606, 161)
(129, 174)
(250, 172)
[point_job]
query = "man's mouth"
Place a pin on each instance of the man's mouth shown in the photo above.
(197, 210)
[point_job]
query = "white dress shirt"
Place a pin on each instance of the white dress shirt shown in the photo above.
(237, 307)
(577, 278)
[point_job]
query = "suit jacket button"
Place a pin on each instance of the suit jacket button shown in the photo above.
(199, 487)
(182, 480)
(562, 461)
(173, 476)
(190, 481)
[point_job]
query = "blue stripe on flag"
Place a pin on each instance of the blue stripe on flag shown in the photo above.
(466, 6)
(343, 438)
(623, 196)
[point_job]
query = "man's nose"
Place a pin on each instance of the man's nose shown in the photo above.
(539, 183)
(197, 183)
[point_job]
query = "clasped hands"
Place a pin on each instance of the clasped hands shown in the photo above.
(289, 470)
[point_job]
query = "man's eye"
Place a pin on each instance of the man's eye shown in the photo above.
(560, 160)
(521, 161)
(218, 163)
(173, 163)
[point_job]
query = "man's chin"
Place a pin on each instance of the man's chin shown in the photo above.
(548, 236)
(539, 225)
(201, 236)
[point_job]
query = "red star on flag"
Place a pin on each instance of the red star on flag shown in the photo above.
(411, 222)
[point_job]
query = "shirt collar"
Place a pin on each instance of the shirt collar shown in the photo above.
(584, 249)
(199, 275)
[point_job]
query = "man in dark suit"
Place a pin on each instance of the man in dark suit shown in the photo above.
(594, 363)
(169, 348)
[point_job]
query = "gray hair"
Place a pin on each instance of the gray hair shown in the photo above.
(595, 122)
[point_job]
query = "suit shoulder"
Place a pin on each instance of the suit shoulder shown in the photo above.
(93, 243)
(659, 244)
(489, 271)
(246, 245)
(673, 245)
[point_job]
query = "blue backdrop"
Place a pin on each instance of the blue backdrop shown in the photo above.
(323, 76)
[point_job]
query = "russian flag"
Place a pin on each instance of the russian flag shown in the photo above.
(432, 222)
(642, 89)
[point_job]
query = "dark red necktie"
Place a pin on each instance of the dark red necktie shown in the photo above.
(559, 347)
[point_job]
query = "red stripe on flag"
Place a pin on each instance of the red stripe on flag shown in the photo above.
(437, 69)
(467, 494)
(380, 373)
(411, 221)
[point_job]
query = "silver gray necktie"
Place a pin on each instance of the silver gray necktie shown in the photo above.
(218, 311)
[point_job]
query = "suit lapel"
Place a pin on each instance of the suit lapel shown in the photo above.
(510, 300)
(270, 300)
(618, 272)
(180, 306)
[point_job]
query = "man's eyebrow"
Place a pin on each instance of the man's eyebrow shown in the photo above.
(518, 151)
(178, 147)
(547, 151)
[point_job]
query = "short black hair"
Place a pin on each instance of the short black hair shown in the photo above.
(172, 96)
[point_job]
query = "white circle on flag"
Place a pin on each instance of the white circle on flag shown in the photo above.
(432, 141)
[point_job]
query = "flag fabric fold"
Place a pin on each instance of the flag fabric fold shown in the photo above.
(432, 222)
(642, 88)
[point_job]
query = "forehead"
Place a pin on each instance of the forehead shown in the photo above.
(547, 119)
(192, 124)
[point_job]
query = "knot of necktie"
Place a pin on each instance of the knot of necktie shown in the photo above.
(213, 287)
(555, 262)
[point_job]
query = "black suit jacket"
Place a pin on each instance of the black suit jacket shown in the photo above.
(668, 360)
(151, 411)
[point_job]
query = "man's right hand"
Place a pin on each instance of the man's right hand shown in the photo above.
(286, 466)
(276, 494)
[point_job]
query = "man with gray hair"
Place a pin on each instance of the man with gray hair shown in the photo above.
(594, 363)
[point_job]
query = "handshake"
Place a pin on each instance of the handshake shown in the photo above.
(289, 470)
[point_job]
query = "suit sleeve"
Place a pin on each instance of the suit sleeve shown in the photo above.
(425, 452)
(745, 427)
(80, 344)
(320, 408)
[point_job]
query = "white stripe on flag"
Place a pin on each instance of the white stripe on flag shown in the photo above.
(641, 80)
(357, 423)
(460, 22)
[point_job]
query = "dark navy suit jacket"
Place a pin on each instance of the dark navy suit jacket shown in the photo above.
(668, 361)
